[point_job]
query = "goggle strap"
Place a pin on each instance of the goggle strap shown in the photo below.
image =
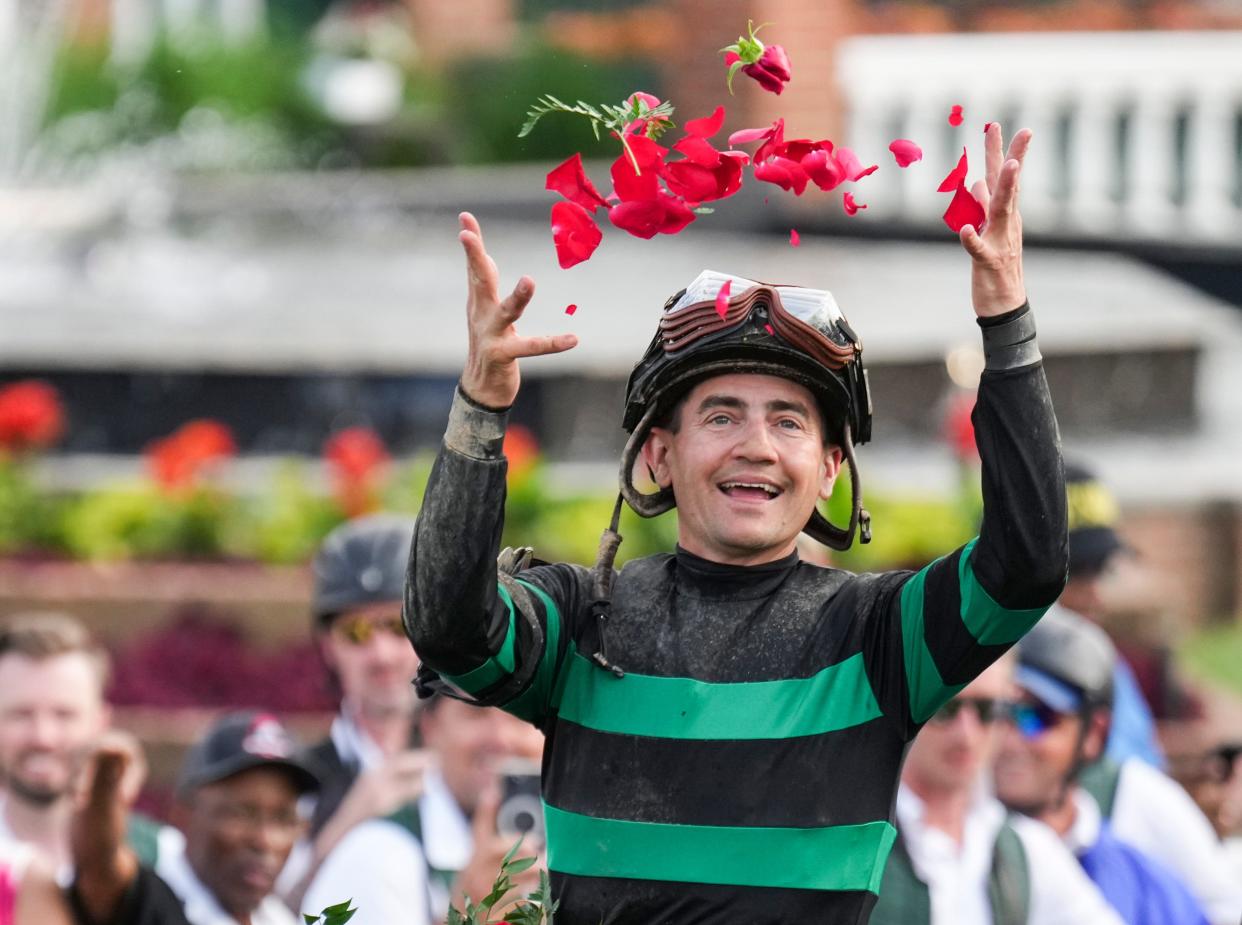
(819, 528)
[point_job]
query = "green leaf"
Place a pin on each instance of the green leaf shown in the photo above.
(521, 864)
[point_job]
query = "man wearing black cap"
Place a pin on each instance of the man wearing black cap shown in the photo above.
(359, 575)
(237, 806)
(1094, 548)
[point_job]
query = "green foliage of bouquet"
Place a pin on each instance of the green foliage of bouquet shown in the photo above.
(536, 909)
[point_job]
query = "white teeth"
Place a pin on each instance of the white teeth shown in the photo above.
(770, 489)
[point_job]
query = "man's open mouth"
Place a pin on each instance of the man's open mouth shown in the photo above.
(750, 491)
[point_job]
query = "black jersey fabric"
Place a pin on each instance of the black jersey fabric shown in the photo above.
(744, 770)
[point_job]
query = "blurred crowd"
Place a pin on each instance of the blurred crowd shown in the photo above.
(1039, 794)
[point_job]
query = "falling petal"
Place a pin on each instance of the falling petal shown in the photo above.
(964, 210)
(986, 126)
(722, 299)
(708, 125)
(905, 152)
(794, 238)
(570, 308)
(956, 177)
(570, 180)
(851, 207)
(768, 328)
(574, 233)
(955, 116)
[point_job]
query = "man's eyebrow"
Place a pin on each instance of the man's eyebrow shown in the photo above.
(721, 401)
(795, 406)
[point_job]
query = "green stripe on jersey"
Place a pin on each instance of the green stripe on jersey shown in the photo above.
(843, 857)
(837, 697)
(533, 703)
(496, 667)
(927, 689)
(989, 622)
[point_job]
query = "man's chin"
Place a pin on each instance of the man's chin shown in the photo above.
(34, 792)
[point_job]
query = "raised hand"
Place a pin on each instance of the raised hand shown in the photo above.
(996, 284)
(491, 375)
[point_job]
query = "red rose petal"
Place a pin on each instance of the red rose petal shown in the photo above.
(905, 152)
(677, 215)
(690, 181)
(851, 207)
(570, 180)
(574, 233)
(570, 308)
(823, 170)
(955, 116)
(956, 177)
(986, 126)
(731, 56)
(708, 125)
(964, 210)
(768, 328)
(722, 299)
(645, 219)
(698, 150)
(634, 187)
(851, 166)
(794, 238)
(783, 172)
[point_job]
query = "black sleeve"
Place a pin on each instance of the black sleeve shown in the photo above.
(147, 901)
(947, 622)
(496, 637)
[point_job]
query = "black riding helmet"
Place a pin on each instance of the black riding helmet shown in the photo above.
(1070, 651)
(359, 563)
(751, 344)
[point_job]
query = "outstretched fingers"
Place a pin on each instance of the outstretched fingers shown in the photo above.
(482, 278)
(515, 303)
(1019, 145)
(993, 146)
(541, 346)
(1005, 197)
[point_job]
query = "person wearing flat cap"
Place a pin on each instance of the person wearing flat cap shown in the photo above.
(237, 807)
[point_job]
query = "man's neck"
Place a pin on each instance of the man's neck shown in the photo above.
(389, 730)
(944, 809)
(1061, 816)
(45, 827)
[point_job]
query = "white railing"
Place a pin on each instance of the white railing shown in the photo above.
(1137, 133)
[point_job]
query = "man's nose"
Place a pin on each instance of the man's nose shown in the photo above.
(755, 442)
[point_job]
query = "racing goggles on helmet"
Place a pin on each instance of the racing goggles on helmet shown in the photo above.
(803, 318)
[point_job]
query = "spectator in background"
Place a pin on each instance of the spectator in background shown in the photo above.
(1094, 547)
(237, 808)
(368, 764)
(958, 859)
(407, 868)
(52, 710)
(1145, 843)
(29, 894)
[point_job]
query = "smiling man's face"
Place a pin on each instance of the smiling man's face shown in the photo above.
(747, 461)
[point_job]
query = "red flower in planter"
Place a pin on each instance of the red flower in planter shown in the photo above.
(521, 449)
(768, 65)
(358, 458)
(574, 233)
(31, 416)
(958, 427)
(176, 461)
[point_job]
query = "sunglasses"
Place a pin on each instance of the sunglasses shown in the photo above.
(1033, 718)
(799, 316)
(987, 710)
(360, 630)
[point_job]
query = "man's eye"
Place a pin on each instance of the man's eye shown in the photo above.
(789, 424)
(718, 419)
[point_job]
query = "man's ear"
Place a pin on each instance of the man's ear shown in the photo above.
(1097, 735)
(832, 468)
(656, 449)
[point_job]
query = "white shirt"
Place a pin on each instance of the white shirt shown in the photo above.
(957, 875)
(201, 905)
(383, 867)
(1154, 814)
(63, 872)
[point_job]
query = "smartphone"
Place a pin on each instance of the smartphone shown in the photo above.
(520, 813)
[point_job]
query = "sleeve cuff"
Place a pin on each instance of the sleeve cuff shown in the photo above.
(1009, 339)
(475, 430)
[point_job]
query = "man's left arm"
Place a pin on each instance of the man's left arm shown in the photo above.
(960, 613)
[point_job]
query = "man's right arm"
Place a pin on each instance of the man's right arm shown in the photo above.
(488, 638)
